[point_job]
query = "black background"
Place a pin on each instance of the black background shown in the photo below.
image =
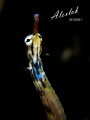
(70, 79)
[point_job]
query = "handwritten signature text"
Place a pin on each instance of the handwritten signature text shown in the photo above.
(62, 14)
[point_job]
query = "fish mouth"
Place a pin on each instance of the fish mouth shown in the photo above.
(36, 19)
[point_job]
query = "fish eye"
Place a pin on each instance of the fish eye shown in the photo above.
(28, 40)
(39, 36)
(33, 33)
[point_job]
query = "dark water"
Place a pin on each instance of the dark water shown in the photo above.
(67, 66)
